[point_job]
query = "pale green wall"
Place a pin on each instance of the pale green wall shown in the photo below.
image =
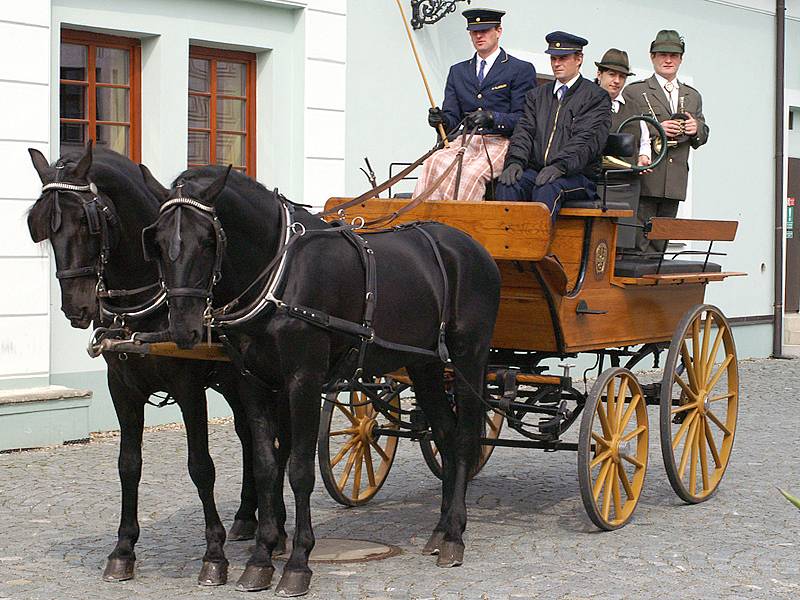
(729, 58)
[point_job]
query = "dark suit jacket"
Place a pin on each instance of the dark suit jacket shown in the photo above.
(502, 91)
(670, 177)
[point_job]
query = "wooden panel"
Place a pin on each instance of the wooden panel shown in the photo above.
(508, 230)
(213, 352)
(568, 246)
(595, 212)
(635, 315)
(664, 228)
(692, 277)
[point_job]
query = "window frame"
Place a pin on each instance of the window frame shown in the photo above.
(213, 55)
(98, 40)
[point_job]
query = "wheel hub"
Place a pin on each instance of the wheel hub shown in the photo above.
(365, 429)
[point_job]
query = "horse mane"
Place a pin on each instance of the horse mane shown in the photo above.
(117, 176)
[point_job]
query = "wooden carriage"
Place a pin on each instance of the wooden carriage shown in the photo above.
(564, 292)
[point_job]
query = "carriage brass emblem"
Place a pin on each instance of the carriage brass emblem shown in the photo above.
(600, 259)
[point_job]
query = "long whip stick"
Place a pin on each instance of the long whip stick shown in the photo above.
(442, 132)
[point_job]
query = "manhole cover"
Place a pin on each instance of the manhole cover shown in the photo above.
(341, 550)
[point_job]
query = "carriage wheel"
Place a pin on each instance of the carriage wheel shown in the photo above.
(353, 461)
(493, 425)
(612, 448)
(699, 403)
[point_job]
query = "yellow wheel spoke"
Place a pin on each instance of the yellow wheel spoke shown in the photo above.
(599, 458)
(687, 362)
(720, 372)
(612, 406)
(701, 448)
(684, 428)
(607, 493)
(357, 476)
(693, 467)
(620, 403)
(601, 412)
(706, 335)
(370, 467)
(348, 467)
(698, 368)
(684, 408)
(600, 440)
(632, 434)
(714, 349)
(348, 414)
(601, 479)
(349, 431)
(722, 397)
(712, 444)
(616, 493)
(632, 459)
(379, 450)
(340, 455)
(629, 412)
(490, 422)
(719, 423)
(685, 387)
(687, 447)
(623, 477)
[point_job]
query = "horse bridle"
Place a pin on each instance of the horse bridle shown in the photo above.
(101, 219)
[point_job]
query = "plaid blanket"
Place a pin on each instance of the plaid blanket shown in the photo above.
(475, 171)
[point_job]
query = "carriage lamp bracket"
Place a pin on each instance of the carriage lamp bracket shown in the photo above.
(428, 12)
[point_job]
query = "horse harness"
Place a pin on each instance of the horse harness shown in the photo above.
(274, 277)
(101, 220)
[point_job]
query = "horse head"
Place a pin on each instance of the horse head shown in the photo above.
(188, 243)
(79, 220)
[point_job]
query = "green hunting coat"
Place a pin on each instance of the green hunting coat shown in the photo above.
(669, 179)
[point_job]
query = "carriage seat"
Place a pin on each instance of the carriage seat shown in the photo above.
(639, 267)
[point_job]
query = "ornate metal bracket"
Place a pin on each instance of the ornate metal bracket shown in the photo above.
(428, 12)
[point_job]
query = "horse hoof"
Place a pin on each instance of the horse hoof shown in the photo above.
(213, 573)
(255, 579)
(294, 583)
(434, 543)
(119, 569)
(451, 554)
(280, 547)
(242, 530)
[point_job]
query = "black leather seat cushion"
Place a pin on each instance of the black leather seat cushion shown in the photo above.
(639, 267)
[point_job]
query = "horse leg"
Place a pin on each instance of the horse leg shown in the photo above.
(283, 442)
(258, 573)
(244, 523)
(429, 390)
(129, 406)
(304, 390)
(201, 469)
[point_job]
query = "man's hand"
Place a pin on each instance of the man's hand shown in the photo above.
(511, 174)
(671, 127)
(691, 125)
(483, 119)
(435, 117)
(548, 175)
(644, 161)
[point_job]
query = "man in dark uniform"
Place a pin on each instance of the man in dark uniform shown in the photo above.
(679, 108)
(487, 91)
(557, 146)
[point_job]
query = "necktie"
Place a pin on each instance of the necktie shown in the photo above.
(480, 71)
(561, 91)
(669, 86)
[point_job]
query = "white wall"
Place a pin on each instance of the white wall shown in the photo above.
(24, 266)
(326, 52)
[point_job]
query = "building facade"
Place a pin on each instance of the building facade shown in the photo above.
(296, 93)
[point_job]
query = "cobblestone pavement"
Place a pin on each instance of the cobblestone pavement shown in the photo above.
(527, 537)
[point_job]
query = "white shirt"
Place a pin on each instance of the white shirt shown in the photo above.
(673, 95)
(644, 139)
(489, 62)
(557, 84)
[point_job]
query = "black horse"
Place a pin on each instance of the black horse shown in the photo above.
(93, 208)
(336, 302)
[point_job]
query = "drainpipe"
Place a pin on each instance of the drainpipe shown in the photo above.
(780, 49)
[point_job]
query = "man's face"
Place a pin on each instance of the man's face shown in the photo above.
(566, 67)
(666, 64)
(611, 81)
(486, 41)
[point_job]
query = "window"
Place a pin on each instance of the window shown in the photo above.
(100, 92)
(222, 108)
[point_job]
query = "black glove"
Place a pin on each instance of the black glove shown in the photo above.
(511, 174)
(480, 118)
(435, 117)
(548, 175)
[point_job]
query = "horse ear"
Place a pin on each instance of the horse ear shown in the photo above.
(149, 247)
(41, 164)
(159, 191)
(84, 164)
(211, 192)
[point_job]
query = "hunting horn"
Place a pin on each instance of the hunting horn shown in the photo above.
(657, 140)
(442, 132)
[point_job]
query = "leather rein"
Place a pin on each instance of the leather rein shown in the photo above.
(101, 220)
